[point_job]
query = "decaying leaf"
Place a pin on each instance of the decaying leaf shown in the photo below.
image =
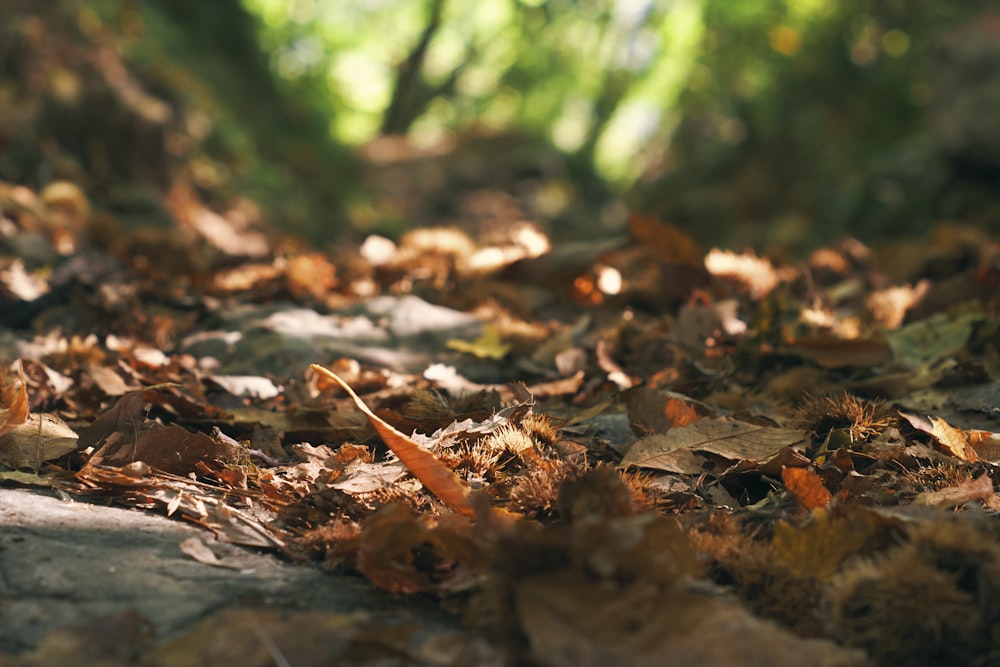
(168, 448)
(122, 436)
(359, 477)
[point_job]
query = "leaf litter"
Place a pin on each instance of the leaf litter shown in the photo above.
(661, 451)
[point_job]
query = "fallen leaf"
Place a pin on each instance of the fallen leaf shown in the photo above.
(569, 621)
(951, 440)
(817, 548)
(615, 372)
(756, 275)
(403, 553)
(488, 346)
(668, 243)
(928, 340)
(560, 387)
(171, 449)
(432, 473)
(122, 421)
(732, 440)
(199, 551)
(837, 353)
(806, 486)
(247, 385)
(359, 477)
(980, 488)
(985, 443)
(13, 400)
(651, 411)
(40, 438)
(110, 382)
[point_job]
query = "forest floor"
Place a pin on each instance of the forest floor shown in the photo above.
(629, 452)
(530, 429)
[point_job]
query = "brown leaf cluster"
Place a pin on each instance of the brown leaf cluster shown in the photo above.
(599, 454)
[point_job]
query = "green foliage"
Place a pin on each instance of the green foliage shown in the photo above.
(248, 133)
(807, 117)
(596, 77)
(804, 120)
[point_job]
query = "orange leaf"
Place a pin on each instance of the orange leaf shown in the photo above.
(13, 401)
(806, 486)
(680, 413)
(986, 444)
(436, 476)
(953, 440)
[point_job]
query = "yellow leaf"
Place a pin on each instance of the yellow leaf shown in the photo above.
(817, 548)
(953, 440)
(488, 346)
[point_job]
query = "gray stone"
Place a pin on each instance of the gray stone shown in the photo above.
(66, 562)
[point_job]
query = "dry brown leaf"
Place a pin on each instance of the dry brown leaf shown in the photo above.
(953, 440)
(986, 444)
(732, 440)
(42, 437)
(570, 621)
(432, 473)
(404, 553)
(668, 243)
(841, 353)
(980, 488)
(199, 551)
(652, 411)
(168, 448)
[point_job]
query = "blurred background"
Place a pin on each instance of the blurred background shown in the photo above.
(754, 123)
